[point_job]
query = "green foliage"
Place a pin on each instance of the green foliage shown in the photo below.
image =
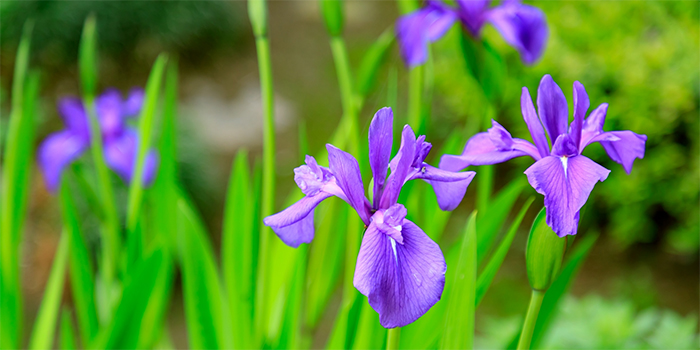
(544, 253)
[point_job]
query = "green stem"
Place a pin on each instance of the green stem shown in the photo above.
(268, 190)
(415, 97)
(111, 244)
(393, 338)
(531, 319)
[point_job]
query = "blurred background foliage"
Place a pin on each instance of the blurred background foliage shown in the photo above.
(639, 56)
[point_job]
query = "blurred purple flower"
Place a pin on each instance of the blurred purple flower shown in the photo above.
(120, 141)
(399, 268)
(564, 176)
(522, 26)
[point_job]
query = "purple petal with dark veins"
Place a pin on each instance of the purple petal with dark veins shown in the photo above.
(347, 174)
(56, 152)
(380, 142)
(402, 281)
(566, 184)
(295, 225)
(400, 166)
(581, 105)
(534, 125)
(552, 107)
(522, 26)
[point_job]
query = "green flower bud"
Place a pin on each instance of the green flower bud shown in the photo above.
(544, 253)
(332, 12)
(257, 11)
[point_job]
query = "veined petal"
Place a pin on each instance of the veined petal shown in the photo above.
(402, 281)
(108, 107)
(400, 166)
(121, 154)
(56, 152)
(593, 125)
(522, 26)
(134, 102)
(534, 125)
(626, 149)
(564, 147)
(347, 174)
(551, 104)
(566, 184)
(449, 186)
(479, 150)
(72, 111)
(581, 105)
(380, 142)
(295, 225)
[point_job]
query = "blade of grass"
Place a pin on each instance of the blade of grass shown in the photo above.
(459, 322)
(111, 242)
(236, 251)
(146, 120)
(370, 334)
(10, 292)
(486, 277)
(153, 319)
(490, 222)
(202, 290)
(67, 338)
(45, 324)
(81, 271)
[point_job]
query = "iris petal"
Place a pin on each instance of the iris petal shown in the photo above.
(380, 142)
(400, 166)
(402, 281)
(56, 152)
(581, 105)
(522, 26)
(347, 174)
(552, 107)
(566, 184)
(295, 225)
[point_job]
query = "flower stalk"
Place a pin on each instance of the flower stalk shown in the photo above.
(393, 338)
(530, 319)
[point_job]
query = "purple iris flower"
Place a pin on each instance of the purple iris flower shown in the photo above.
(120, 141)
(399, 268)
(562, 175)
(522, 26)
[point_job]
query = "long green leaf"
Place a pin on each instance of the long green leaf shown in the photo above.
(81, 270)
(370, 334)
(203, 293)
(146, 120)
(372, 61)
(88, 58)
(67, 338)
(13, 188)
(494, 264)
(490, 221)
(459, 323)
(45, 324)
(236, 251)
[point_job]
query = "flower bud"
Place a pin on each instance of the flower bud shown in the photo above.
(332, 12)
(544, 253)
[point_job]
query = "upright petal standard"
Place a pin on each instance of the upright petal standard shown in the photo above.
(522, 26)
(399, 268)
(60, 149)
(563, 175)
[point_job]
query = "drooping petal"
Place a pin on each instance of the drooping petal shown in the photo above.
(551, 104)
(522, 26)
(402, 281)
(134, 102)
(534, 125)
(626, 149)
(121, 154)
(56, 152)
(581, 105)
(566, 184)
(380, 142)
(108, 107)
(347, 174)
(400, 166)
(472, 13)
(72, 111)
(295, 225)
(415, 30)
(479, 150)
(449, 186)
